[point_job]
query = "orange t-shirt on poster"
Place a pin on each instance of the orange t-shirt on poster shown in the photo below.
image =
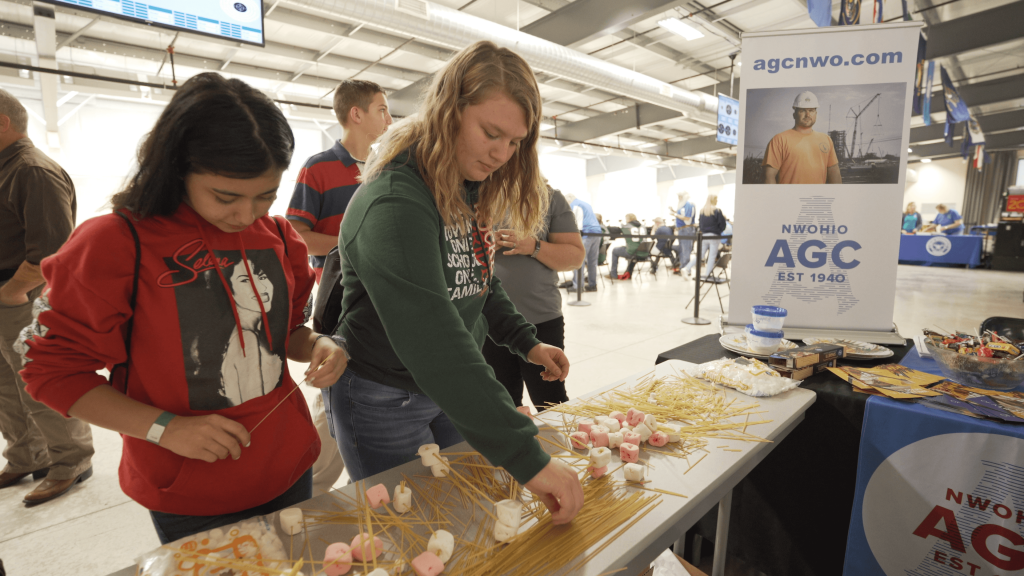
(800, 158)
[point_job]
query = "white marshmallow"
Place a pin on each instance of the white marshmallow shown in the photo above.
(441, 544)
(291, 521)
(643, 431)
(509, 513)
(598, 428)
(615, 439)
(610, 423)
(440, 470)
(634, 472)
(402, 500)
(429, 454)
(379, 572)
(673, 433)
(503, 533)
(599, 457)
(651, 422)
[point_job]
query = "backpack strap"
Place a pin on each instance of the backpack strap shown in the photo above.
(135, 292)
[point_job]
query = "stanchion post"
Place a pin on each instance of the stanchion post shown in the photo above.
(579, 287)
(696, 319)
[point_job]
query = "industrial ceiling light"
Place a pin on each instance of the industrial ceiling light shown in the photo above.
(677, 26)
(926, 160)
(545, 126)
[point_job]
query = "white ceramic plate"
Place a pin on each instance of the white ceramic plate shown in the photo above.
(855, 349)
(738, 343)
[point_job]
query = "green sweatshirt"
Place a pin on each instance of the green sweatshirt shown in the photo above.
(423, 324)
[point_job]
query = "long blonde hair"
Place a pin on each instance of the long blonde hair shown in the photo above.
(514, 194)
(710, 206)
(907, 210)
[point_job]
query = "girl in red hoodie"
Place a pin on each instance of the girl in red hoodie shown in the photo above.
(221, 303)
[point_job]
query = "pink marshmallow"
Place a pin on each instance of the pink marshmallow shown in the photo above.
(629, 453)
(361, 547)
(658, 439)
(377, 495)
(341, 555)
(600, 437)
(634, 416)
(585, 425)
(618, 416)
(427, 564)
(579, 439)
(598, 472)
(631, 437)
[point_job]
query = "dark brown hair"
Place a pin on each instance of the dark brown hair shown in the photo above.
(354, 93)
(213, 125)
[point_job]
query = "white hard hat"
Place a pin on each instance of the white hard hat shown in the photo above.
(805, 99)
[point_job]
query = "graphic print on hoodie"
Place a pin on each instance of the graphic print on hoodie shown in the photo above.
(229, 362)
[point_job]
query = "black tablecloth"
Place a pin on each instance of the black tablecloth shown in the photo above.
(790, 515)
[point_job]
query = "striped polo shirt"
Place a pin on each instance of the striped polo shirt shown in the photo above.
(322, 192)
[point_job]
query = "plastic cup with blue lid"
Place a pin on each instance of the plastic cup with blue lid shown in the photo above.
(769, 317)
(763, 341)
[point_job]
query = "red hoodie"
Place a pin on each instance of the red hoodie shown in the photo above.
(204, 343)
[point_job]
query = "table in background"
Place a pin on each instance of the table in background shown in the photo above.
(705, 485)
(791, 514)
(963, 250)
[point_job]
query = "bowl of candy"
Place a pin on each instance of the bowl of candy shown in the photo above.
(988, 361)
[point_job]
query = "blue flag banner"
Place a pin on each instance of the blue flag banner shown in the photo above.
(922, 46)
(877, 16)
(906, 11)
(955, 107)
(926, 96)
(849, 12)
(820, 12)
(937, 493)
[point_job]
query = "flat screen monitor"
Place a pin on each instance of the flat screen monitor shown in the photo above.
(240, 20)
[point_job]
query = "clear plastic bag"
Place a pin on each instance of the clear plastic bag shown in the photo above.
(242, 549)
(749, 376)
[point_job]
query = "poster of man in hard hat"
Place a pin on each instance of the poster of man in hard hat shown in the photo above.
(824, 135)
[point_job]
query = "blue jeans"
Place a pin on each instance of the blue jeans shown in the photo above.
(711, 249)
(592, 246)
(619, 252)
(378, 427)
(684, 250)
(171, 527)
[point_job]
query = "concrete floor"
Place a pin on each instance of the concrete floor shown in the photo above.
(96, 529)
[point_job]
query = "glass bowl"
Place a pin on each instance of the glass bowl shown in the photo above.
(989, 373)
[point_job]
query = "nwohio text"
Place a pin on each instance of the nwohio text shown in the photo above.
(773, 65)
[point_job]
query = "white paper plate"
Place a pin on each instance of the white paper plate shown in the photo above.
(738, 343)
(855, 349)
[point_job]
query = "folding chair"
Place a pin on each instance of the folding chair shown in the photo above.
(720, 275)
(641, 256)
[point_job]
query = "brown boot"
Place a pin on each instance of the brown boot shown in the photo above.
(49, 489)
(10, 479)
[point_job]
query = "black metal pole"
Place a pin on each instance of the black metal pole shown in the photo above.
(696, 319)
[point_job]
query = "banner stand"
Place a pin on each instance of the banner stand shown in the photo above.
(696, 320)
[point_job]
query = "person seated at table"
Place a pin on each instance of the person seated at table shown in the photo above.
(665, 246)
(630, 228)
(912, 220)
(948, 222)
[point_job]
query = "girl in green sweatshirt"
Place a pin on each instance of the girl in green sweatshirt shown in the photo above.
(420, 292)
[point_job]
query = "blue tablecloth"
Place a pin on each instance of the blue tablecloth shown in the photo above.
(941, 249)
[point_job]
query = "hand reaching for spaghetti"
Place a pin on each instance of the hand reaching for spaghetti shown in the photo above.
(559, 488)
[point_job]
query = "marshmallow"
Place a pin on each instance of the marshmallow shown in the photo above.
(599, 457)
(403, 500)
(427, 564)
(643, 431)
(598, 472)
(440, 470)
(377, 495)
(585, 425)
(618, 416)
(673, 433)
(337, 559)
(634, 472)
(429, 454)
(361, 547)
(441, 545)
(509, 513)
(291, 521)
(503, 532)
(631, 437)
(634, 416)
(629, 452)
(615, 439)
(611, 424)
(379, 572)
(599, 437)
(579, 439)
(658, 439)
(598, 428)
(651, 422)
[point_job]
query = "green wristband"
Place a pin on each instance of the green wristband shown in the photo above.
(156, 431)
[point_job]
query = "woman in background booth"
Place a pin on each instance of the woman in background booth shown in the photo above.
(912, 220)
(948, 222)
(712, 223)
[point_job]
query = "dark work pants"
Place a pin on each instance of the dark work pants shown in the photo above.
(512, 371)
